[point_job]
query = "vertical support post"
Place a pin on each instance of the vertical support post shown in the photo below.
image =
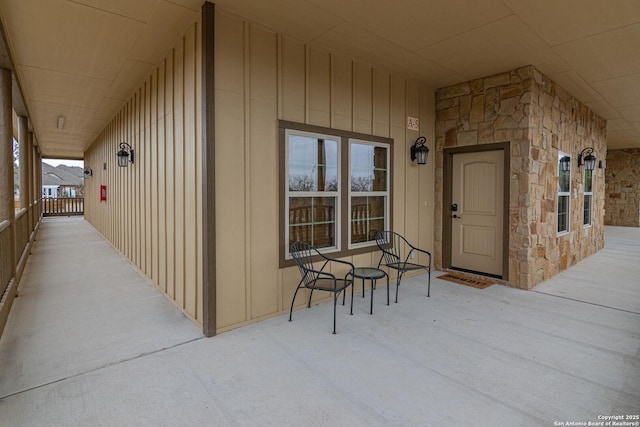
(23, 161)
(32, 183)
(208, 171)
(7, 208)
(38, 190)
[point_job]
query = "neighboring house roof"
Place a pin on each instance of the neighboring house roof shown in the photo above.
(76, 171)
(61, 175)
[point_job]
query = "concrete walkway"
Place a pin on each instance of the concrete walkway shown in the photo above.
(90, 342)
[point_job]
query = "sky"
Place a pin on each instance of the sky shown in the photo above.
(56, 162)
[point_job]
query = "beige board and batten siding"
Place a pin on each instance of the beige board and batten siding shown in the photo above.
(153, 211)
(262, 76)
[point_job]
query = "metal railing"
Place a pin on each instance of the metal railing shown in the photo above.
(65, 206)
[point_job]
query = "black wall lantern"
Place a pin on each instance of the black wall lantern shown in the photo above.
(123, 155)
(420, 151)
(565, 163)
(589, 160)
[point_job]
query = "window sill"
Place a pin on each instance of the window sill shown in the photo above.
(284, 263)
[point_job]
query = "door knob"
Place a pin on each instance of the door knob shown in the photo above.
(456, 216)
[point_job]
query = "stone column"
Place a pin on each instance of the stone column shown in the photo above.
(23, 160)
(7, 209)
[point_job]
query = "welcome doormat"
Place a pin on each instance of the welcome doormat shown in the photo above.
(474, 282)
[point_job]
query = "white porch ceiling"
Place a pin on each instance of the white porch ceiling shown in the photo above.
(83, 58)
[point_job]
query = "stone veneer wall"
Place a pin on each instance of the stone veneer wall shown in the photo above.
(622, 188)
(538, 119)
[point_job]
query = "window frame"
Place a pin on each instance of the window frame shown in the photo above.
(342, 217)
(566, 194)
(313, 194)
(351, 194)
(586, 193)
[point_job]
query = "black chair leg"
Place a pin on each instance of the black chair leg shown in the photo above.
(292, 301)
(400, 274)
(335, 302)
(372, 287)
(345, 292)
(310, 296)
(344, 295)
(387, 289)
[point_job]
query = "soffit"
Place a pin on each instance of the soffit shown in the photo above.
(293, 17)
(356, 42)
(166, 22)
(622, 91)
(70, 38)
(495, 47)
(631, 113)
(596, 58)
(589, 47)
(573, 83)
(415, 24)
(604, 109)
(84, 58)
(559, 22)
(139, 10)
(618, 125)
(54, 87)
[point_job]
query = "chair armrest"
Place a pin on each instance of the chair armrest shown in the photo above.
(332, 277)
(325, 273)
(343, 262)
(413, 248)
(330, 260)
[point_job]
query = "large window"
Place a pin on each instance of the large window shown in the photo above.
(564, 192)
(335, 188)
(588, 197)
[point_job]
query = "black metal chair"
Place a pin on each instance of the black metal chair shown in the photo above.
(397, 254)
(317, 279)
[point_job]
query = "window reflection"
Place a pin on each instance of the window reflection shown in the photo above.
(368, 168)
(312, 219)
(367, 218)
(313, 164)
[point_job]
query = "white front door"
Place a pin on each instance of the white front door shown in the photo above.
(477, 212)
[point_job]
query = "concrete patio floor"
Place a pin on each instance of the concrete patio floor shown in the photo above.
(91, 342)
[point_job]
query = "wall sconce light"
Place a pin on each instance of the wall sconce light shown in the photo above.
(589, 160)
(123, 155)
(420, 151)
(565, 164)
(88, 173)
